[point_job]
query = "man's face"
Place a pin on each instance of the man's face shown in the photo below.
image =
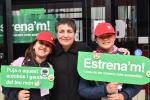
(65, 35)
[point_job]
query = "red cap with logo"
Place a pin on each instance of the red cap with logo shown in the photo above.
(46, 36)
(104, 28)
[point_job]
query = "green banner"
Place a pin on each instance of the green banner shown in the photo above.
(114, 68)
(32, 11)
(26, 27)
(27, 77)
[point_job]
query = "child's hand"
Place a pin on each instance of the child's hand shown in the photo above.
(24, 95)
(124, 51)
(117, 96)
(112, 87)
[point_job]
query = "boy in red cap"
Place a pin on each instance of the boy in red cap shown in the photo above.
(105, 38)
(36, 55)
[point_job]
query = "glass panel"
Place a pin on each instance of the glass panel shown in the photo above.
(1, 33)
(97, 14)
(1, 43)
(127, 18)
(73, 10)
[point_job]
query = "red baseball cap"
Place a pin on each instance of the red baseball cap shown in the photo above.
(46, 36)
(104, 28)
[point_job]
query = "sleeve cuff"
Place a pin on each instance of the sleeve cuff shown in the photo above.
(126, 97)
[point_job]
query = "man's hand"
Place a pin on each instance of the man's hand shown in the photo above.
(124, 51)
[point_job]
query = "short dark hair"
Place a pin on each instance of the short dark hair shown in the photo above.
(69, 21)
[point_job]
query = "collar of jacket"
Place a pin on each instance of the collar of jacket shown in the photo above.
(114, 51)
(33, 63)
(59, 49)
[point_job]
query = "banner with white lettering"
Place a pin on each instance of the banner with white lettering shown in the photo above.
(27, 77)
(114, 68)
(26, 27)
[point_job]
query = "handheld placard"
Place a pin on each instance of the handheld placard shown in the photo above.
(114, 68)
(27, 77)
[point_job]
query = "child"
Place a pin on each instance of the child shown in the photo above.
(36, 55)
(105, 38)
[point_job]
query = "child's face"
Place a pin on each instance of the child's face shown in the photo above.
(42, 49)
(106, 41)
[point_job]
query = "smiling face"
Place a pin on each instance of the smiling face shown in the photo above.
(65, 35)
(106, 42)
(42, 49)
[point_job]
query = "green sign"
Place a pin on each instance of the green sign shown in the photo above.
(114, 68)
(32, 11)
(0, 78)
(27, 77)
(26, 27)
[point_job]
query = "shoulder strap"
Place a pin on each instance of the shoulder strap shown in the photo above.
(50, 65)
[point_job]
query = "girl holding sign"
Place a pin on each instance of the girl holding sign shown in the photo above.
(105, 38)
(35, 55)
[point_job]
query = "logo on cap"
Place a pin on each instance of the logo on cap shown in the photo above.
(109, 27)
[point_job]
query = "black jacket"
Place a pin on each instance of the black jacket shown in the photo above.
(12, 93)
(92, 90)
(66, 76)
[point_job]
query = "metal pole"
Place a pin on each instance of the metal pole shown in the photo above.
(8, 32)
